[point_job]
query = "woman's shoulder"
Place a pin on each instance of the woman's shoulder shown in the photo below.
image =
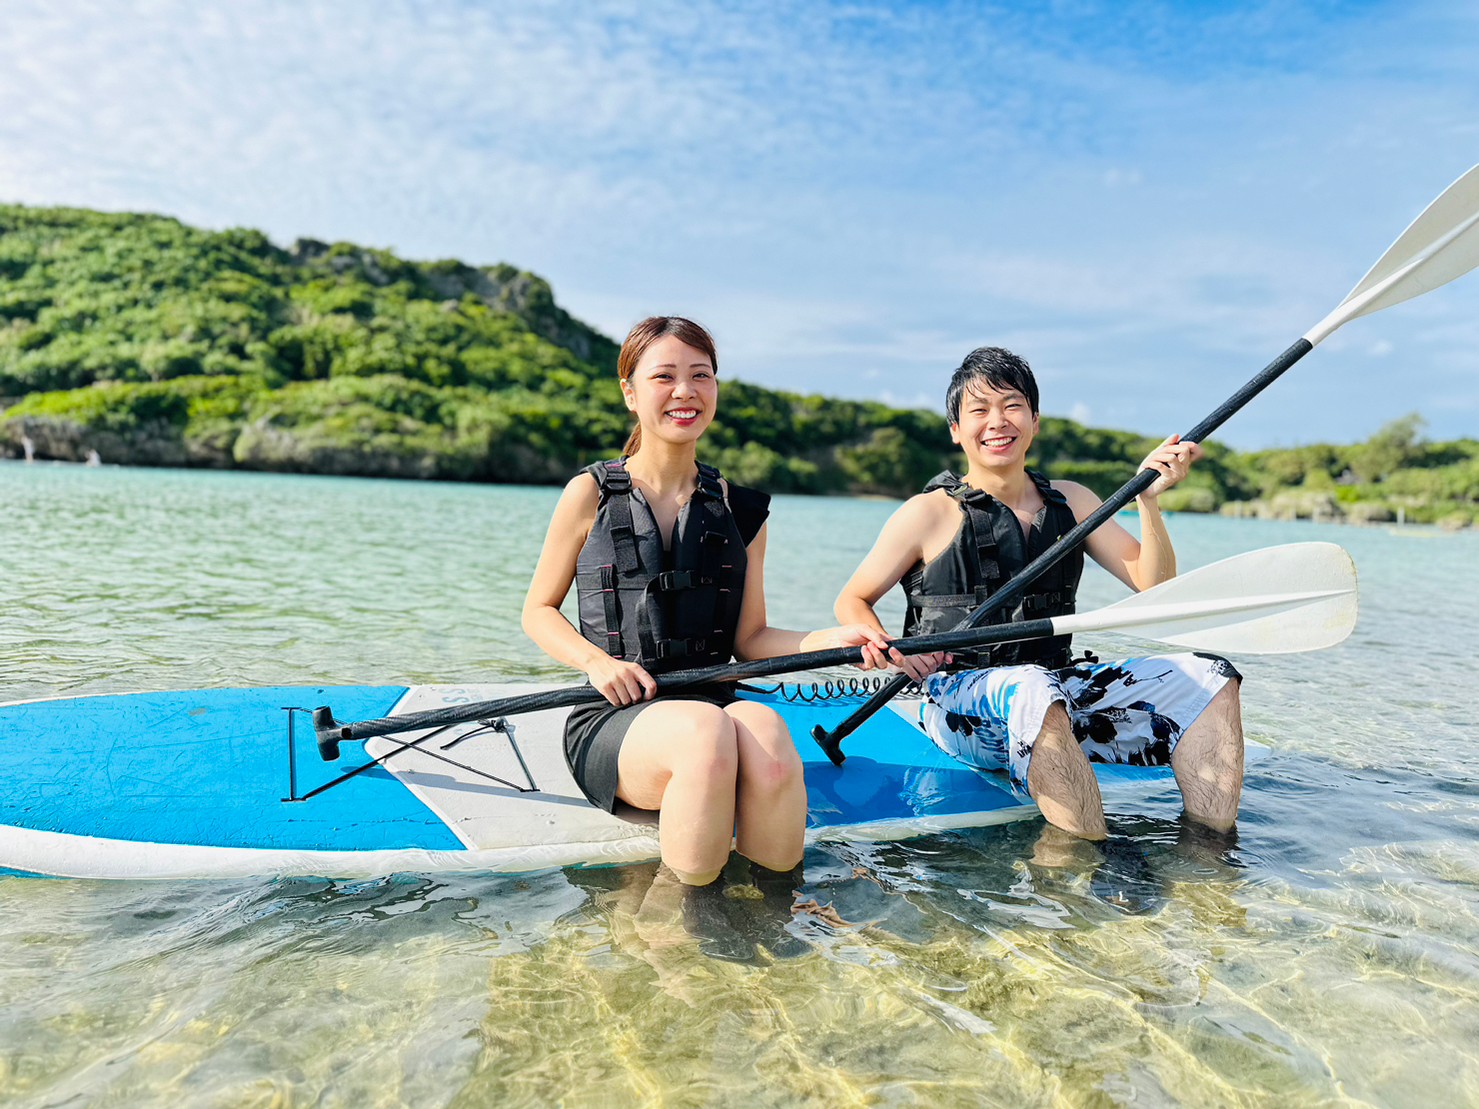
(585, 480)
(582, 492)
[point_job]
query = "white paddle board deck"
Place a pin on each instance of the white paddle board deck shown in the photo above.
(199, 784)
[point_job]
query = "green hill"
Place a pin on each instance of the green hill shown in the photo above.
(156, 343)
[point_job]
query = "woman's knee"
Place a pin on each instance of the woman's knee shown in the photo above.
(767, 757)
(770, 771)
(709, 745)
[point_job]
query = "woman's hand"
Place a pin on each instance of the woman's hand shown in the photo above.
(1172, 459)
(621, 683)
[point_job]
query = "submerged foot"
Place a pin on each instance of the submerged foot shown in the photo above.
(1125, 878)
(763, 916)
(706, 920)
(1216, 847)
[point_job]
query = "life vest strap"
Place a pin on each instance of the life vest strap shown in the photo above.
(613, 612)
(617, 480)
(623, 537)
(947, 600)
(708, 482)
(1051, 601)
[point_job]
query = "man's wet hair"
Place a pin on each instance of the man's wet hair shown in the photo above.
(995, 368)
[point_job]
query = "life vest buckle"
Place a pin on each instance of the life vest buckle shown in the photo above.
(680, 648)
(670, 580)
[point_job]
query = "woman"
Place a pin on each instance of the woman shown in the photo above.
(668, 561)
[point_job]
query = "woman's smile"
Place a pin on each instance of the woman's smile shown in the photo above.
(673, 387)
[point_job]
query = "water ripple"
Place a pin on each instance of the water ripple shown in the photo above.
(1329, 955)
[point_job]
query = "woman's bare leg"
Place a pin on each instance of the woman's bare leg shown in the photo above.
(771, 807)
(681, 759)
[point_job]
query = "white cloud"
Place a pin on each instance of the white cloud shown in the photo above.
(852, 195)
(919, 399)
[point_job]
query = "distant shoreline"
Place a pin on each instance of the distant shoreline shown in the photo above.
(181, 347)
(1409, 527)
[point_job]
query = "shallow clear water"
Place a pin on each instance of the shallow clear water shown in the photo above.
(1331, 957)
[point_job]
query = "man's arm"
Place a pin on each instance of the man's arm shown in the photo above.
(899, 546)
(1150, 560)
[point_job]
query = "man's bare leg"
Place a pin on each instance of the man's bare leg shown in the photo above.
(1061, 781)
(1208, 761)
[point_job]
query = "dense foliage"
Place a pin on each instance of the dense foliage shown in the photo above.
(1395, 474)
(156, 343)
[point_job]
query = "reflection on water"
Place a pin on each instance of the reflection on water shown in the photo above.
(1328, 954)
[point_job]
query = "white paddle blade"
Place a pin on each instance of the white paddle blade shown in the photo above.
(1279, 600)
(1438, 246)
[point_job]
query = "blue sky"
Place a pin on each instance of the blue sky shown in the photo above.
(1148, 201)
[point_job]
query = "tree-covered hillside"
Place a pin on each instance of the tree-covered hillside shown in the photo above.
(1395, 474)
(156, 343)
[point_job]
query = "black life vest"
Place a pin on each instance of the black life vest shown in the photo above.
(987, 552)
(667, 610)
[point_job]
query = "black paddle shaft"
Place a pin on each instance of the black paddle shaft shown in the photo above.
(1014, 590)
(331, 732)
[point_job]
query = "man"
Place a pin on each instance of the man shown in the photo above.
(1027, 707)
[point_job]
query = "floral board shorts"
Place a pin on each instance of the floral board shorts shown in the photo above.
(1133, 711)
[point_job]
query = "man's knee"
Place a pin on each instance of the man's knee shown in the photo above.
(1054, 746)
(1227, 704)
(1056, 731)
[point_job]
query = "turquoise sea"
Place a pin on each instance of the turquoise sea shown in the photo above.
(1330, 958)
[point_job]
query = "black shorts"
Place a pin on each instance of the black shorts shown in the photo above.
(594, 735)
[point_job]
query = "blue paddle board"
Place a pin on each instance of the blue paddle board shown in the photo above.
(229, 782)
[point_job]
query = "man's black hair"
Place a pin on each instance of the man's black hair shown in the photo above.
(996, 368)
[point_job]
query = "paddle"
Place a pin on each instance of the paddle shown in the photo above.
(1440, 245)
(1226, 606)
